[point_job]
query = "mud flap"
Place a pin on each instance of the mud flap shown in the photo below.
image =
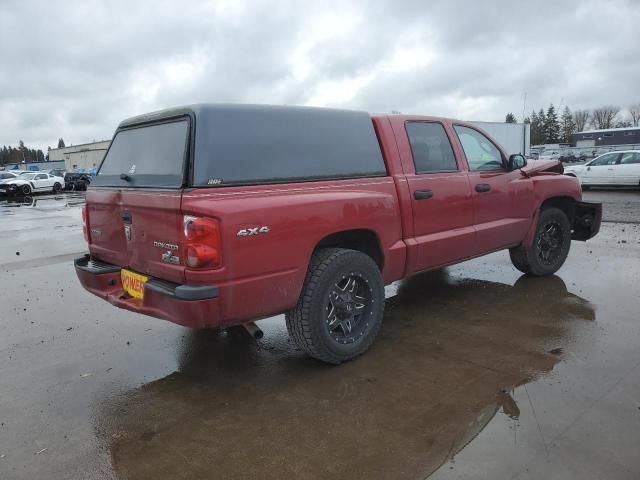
(586, 220)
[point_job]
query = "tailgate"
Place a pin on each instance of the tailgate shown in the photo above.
(133, 204)
(137, 229)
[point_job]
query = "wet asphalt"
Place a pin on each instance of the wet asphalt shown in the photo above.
(478, 373)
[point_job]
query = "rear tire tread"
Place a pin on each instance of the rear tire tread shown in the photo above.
(300, 321)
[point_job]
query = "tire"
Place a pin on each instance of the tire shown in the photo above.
(25, 189)
(57, 187)
(550, 245)
(341, 306)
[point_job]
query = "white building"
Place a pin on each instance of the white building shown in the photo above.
(87, 155)
(513, 137)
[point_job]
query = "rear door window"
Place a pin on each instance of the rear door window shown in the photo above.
(431, 148)
(146, 156)
(630, 158)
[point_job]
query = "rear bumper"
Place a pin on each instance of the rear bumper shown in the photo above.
(586, 220)
(191, 306)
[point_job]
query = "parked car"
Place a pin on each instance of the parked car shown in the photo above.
(6, 176)
(31, 182)
(620, 168)
(212, 216)
(77, 180)
(550, 155)
(567, 157)
(581, 156)
(58, 172)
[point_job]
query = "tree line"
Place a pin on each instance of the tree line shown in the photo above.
(21, 153)
(547, 127)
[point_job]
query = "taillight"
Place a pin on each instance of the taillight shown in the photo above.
(85, 224)
(202, 246)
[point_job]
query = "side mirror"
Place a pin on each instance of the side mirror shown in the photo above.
(516, 161)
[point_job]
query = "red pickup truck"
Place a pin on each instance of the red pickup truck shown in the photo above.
(212, 216)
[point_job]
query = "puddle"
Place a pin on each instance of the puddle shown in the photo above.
(445, 364)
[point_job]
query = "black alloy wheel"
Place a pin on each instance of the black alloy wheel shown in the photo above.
(348, 308)
(549, 242)
(341, 306)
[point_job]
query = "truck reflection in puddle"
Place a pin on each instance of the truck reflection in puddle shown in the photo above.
(450, 351)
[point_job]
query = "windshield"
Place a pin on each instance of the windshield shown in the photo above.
(27, 176)
(146, 156)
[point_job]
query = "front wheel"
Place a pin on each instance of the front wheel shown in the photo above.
(25, 189)
(340, 309)
(550, 246)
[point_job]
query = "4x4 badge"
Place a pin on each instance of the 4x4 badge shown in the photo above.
(246, 232)
(127, 231)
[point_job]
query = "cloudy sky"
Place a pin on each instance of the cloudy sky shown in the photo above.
(76, 68)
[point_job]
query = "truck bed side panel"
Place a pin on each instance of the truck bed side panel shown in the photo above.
(263, 273)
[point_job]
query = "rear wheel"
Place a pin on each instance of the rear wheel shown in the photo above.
(550, 246)
(57, 187)
(340, 310)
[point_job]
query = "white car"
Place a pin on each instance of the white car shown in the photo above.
(611, 169)
(31, 182)
(6, 176)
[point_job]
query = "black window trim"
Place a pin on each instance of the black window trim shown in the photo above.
(504, 160)
(187, 156)
(413, 157)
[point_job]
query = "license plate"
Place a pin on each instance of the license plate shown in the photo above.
(133, 283)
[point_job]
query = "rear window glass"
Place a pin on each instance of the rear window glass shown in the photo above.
(260, 145)
(431, 148)
(147, 156)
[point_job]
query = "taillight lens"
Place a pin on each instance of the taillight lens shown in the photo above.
(202, 246)
(85, 224)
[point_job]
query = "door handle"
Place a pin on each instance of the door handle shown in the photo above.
(483, 187)
(422, 194)
(126, 217)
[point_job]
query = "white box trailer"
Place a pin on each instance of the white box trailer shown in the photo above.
(514, 137)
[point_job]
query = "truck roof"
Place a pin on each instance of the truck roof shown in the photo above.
(220, 109)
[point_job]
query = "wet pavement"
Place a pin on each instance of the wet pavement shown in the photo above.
(478, 372)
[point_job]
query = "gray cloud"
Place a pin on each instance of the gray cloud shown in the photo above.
(75, 69)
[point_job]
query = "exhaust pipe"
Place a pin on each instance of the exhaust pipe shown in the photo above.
(253, 330)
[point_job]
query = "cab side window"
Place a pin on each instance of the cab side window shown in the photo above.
(481, 153)
(41, 177)
(432, 151)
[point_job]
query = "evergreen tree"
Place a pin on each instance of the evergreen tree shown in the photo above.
(567, 125)
(510, 118)
(60, 143)
(537, 127)
(551, 126)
